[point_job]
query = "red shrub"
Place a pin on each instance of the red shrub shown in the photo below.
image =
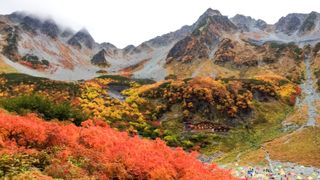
(298, 90)
(293, 97)
(96, 150)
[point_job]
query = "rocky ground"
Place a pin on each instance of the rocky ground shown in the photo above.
(310, 94)
(278, 171)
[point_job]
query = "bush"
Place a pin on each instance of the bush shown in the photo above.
(95, 151)
(44, 107)
(11, 165)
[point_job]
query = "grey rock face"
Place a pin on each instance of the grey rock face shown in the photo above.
(67, 33)
(107, 46)
(82, 37)
(211, 12)
(243, 22)
(99, 59)
(261, 24)
(246, 23)
(31, 24)
(11, 49)
(309, 23)
(219, 23)
(50, 28)
(171, 37)
(142, 47)
(16, 16)
(206, 33)
(204, 17)
(290, 24)
(128, 49)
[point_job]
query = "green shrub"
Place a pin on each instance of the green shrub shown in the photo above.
(44, 107)
(171, 140)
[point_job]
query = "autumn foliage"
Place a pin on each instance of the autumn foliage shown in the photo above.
(92, 151)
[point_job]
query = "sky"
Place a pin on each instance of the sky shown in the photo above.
(124, 22)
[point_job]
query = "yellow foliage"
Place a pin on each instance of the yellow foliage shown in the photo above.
(271, 78)
(286, 91)
(94, 99)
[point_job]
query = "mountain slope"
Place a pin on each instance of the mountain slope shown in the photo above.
(214, 45)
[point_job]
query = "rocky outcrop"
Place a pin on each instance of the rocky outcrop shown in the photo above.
(99, 59)
(188, 49)
(10, 48)
(171, 37)
(214, 22)
(241, 54)
(128, 49)
(205, 36)
(67, 33)
(50, 28)
(107, 46)
(31, 24)
(301, 24)
(236, 53)
(290, 24)
(309, 23)
(144, 47)
(82, 38)
(225, 52)
(246, 23)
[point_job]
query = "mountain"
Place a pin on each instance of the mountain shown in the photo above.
(205, 35)
(239, 91)
(290, 24)
(82, 38)
(214, 45)
(246, 23)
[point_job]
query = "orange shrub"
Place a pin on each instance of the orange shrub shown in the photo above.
(94, 150)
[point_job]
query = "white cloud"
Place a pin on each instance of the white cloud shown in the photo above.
(124, 22)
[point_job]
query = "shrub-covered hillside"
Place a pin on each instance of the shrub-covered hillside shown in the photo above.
(203, 114)
(33, 148)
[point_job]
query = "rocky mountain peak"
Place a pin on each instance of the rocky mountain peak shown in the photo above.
(106, 45)
(17, 16)
(247, 23)
(215, 24)
(168, 38)
(128, 49)
(310, 22)
(205, 35)
(31, 23)
(290, 23)
(67, 33)
(84, 31)
(243, 22)
(50, 28)
(206, 15)
(82, 37)
(261, 24)
(212, 12)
